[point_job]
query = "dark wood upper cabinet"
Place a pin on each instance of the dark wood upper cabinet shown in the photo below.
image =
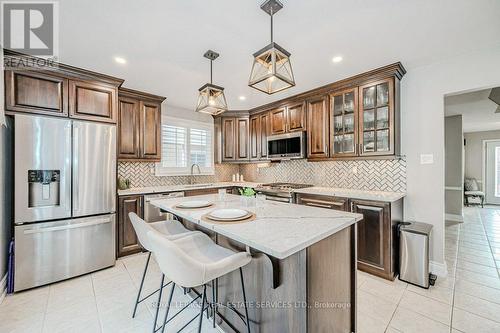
(344, 123)
(242, 134)
(296, 117)
(255, 138)
(150, 119)
(62, 91)
(35, 92)
(278, 121)
(228, 139)
(139, 126)
(235, 138)
(127, 242)
(92, 101)
(128, 128)
(318, 128)
(377, 130)
(265, 131)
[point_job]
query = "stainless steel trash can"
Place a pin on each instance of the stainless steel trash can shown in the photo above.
(414, 253)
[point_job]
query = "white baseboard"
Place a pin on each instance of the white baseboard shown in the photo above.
(437, 268)
(454, 217)
(3, 288)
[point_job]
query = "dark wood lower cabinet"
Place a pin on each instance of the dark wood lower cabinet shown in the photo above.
(377, 233)
(127, 242)
(377, 236)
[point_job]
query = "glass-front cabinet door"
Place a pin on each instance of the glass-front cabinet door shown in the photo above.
(344, 123)
(376, 113)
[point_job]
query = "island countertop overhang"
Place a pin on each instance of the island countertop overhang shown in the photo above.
(279, 229)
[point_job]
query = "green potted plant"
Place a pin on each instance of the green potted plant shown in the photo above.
(247, 195)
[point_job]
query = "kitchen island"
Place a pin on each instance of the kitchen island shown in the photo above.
(302, 277)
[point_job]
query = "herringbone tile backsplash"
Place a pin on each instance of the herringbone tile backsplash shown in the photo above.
(140, 175)
(376, 175)
(381, 175)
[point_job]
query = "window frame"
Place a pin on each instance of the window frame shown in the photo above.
(186, 171)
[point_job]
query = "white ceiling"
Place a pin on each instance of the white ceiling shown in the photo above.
(163, 41)
(477, 110)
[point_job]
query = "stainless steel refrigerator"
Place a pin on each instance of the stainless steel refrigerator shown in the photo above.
(64, 199)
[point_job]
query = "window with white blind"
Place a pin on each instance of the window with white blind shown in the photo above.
(184, 143)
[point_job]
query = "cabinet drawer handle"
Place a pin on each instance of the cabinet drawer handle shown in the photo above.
(317, 205)
(335, 203)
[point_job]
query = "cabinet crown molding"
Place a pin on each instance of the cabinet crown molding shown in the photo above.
(65, 70)
(131, 93)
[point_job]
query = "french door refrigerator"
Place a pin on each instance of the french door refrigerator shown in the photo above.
(64, 199)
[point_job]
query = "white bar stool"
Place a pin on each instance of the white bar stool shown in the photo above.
(196, 261)
(170, 229)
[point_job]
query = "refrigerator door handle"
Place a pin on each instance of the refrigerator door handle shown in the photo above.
(76, 174)
(67, 227)
(67, 191)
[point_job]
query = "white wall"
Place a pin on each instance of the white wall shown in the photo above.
(190, 114)
(423, 90)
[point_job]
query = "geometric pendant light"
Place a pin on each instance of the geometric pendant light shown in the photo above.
(211, 99)
(272, 69)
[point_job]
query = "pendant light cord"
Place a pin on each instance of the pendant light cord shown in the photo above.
(211, 61)
(271, 25)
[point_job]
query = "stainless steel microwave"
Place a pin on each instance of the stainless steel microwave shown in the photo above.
(287, 146)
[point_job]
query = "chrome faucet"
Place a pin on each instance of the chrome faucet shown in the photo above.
(191, 180)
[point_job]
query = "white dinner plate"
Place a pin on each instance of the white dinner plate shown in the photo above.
(228, 214)
(194, 204)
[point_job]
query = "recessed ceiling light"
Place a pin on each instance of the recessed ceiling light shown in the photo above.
(337, 59)
(120, 60)
(242, 98)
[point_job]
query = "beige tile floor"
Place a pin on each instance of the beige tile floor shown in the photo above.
(467, 300)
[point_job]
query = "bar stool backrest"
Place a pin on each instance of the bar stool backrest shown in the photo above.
(141, 228)
(176, 264)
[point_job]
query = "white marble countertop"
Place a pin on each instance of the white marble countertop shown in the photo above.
(279, 229)
(353, 194)
(186, 187)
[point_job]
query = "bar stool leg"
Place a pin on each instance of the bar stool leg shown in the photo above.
(203, 298)
(168, 307)
(159, 302)
(245, 300)
(140, 287)
(214, 300)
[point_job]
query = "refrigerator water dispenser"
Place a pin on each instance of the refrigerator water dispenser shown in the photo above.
(43, 188)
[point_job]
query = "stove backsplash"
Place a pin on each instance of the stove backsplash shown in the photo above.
(382, 175)
(140, 175)
(377, 175)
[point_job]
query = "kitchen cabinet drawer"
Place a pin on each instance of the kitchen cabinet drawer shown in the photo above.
(323, 201)
(127, 242)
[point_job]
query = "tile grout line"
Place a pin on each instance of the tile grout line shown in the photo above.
(457, 249)
(95, 302)
(46, 310)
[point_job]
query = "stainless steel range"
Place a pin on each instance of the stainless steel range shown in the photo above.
(280, 191)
